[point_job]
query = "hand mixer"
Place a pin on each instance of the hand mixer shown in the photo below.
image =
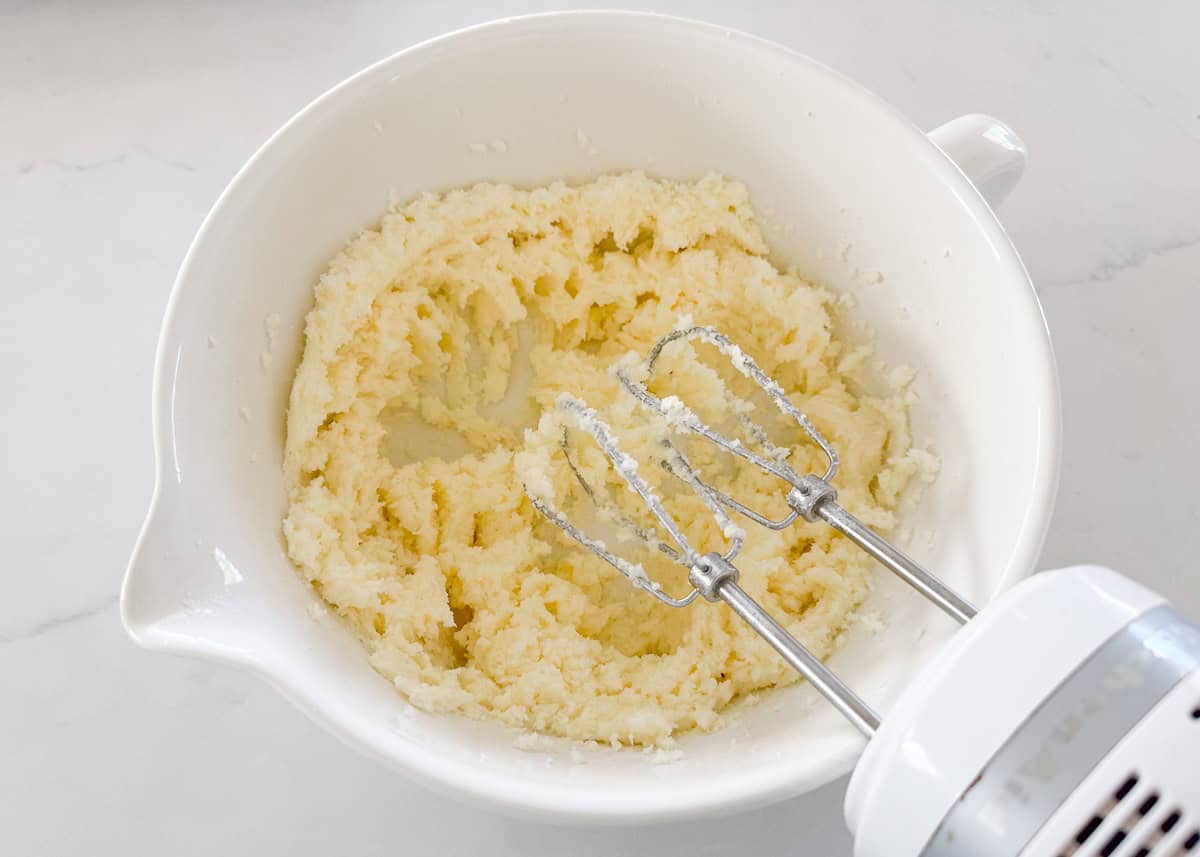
(1063, 719)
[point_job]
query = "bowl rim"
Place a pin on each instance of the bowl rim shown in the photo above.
(472, 782)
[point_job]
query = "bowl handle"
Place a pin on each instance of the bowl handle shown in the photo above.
(988, 152)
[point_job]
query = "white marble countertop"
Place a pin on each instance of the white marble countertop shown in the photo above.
(121, 123)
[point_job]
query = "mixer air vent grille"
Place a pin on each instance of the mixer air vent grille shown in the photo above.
(1156, 843)
(1114, 800)
(1120, 836)
(1149, 827)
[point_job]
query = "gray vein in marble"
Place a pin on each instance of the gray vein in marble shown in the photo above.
(1144, 99)
(69, 166)
(165, 161)
(1110, 269)
(56, 622)
(88, 166)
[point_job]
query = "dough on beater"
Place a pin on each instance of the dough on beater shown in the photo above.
(439, 337)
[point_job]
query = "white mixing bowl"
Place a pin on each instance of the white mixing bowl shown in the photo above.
(844, 184)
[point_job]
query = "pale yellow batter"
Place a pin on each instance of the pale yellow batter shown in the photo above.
(448, 330)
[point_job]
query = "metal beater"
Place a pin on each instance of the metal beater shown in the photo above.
(713, 575)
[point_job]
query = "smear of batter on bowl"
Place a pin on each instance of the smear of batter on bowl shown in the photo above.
(439, 338)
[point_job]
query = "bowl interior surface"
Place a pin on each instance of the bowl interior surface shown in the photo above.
(843, 186)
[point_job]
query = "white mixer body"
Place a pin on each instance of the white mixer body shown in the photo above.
(1064, 719)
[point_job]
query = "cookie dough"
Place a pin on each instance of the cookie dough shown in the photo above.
(436, 342)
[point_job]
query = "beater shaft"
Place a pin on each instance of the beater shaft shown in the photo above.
(716, 578)
(896, 562)
(836, 691)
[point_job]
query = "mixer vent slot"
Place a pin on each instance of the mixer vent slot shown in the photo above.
(1132, 819)
(1155, 842)
(1105, 809)
(1191, 845)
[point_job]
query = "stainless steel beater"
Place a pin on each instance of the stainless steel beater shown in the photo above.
(713, 575)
